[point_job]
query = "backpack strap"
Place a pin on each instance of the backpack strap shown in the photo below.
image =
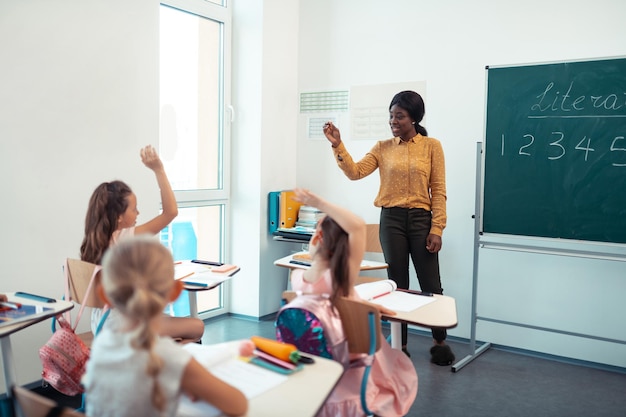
(107, 310)
(92, 280)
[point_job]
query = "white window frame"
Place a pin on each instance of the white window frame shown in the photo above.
(220, 196)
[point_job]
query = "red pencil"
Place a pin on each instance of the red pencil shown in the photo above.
(381, 295)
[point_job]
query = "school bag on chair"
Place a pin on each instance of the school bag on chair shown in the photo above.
(310, 322)
(65, 355)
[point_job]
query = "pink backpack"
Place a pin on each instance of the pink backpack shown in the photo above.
(65, 355)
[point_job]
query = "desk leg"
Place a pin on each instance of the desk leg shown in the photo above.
(396, 335)
(8, 364)
(193, 304)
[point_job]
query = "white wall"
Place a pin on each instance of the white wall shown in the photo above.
(448, 44)
(79, 98)
(265, 101)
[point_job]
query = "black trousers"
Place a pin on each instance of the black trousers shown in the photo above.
(403, 233)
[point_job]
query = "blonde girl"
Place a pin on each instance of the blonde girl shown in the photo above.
(132, 370)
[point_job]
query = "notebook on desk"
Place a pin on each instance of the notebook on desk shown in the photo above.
(25, 312)
(203, 275)
(387, 294)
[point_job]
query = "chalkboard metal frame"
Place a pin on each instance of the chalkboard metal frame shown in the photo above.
(611, 252)
(563, 185)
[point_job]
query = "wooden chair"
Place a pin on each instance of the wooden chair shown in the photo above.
(361, 324)
(362, 330)
(372, 240)
(79, 274)
(31, 404)
(372, 245)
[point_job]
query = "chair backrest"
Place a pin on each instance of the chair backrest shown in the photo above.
(79, 273)
(372, 245)
(32, 404)
(356, 317)
(288, 296)
(372, 240)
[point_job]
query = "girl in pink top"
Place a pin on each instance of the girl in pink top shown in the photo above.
(337, 248)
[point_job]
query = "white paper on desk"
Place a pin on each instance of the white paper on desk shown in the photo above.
(251, 380)
(187, 267)
(200, 274)
(403, 301)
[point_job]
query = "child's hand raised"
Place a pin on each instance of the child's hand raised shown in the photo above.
(150, 158)
(306, 197)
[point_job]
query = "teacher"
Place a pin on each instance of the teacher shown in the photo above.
(412, 198)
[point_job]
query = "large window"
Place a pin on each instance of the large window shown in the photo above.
(194, 140)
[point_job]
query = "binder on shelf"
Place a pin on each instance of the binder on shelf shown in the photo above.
(288, 210)
(273, 199)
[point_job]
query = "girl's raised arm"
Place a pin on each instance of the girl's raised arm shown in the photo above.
(353, 225)
(150, 158)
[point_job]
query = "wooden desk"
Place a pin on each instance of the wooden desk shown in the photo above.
(440, 313)
(365, 264)
(57, 307)
(301, 395)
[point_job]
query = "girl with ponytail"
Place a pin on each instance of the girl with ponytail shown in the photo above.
(132, 370)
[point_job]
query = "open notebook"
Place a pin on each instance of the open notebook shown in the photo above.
(223, 361)
(202, 275)
(386, 293)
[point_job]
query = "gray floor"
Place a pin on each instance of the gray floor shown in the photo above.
(497, 383)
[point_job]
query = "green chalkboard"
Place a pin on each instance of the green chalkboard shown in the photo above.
(555, 150)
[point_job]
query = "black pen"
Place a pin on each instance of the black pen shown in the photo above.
(303, 263)
(198, 261)
(425, 294)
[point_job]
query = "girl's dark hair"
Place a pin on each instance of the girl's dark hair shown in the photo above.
(108, 201)
(336, 248)
(414, 105)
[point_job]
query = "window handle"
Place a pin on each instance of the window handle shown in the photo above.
(231, 109)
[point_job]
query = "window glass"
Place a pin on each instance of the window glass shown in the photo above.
(194, 85)
(190, 95)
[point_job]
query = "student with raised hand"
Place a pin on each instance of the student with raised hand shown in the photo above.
(412, 198)
(112, 217)
(132, 370)
(337, 248)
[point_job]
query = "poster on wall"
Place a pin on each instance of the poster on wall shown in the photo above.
(369, 108)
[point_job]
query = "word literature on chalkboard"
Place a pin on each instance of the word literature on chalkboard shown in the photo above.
(555, 151)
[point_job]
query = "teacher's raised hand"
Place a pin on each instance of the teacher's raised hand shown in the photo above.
(332, 134)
